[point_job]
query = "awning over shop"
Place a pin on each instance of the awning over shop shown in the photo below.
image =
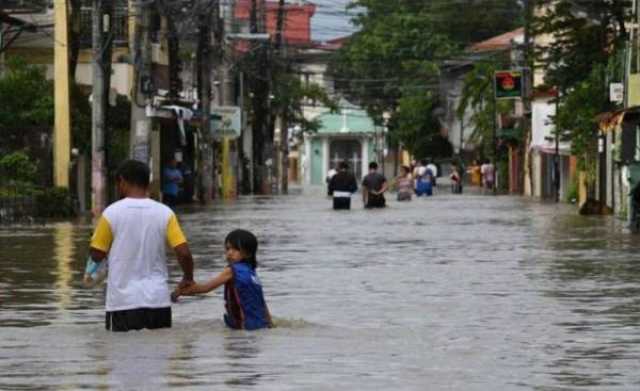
(549, 148)
(613, 119)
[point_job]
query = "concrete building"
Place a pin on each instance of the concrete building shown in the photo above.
(552, 166)
(349, 136)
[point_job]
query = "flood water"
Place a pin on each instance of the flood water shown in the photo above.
(455, 292)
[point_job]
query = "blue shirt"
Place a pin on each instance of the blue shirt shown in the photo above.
(172, 176)
(244, 300)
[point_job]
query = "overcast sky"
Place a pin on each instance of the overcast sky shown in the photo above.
(330, 20)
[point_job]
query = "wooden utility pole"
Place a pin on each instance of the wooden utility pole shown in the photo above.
(228, 96)
(230, 165)
(101, 43)
(527, 177)
(284, 110)
(256, 93)
(173, 49)
(206, 162)
(142, 88)
(261, 124)
(62, 131)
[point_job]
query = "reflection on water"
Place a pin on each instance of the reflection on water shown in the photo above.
(63, 257)
(451, 293)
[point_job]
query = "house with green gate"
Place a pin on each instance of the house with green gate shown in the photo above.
(349, 135)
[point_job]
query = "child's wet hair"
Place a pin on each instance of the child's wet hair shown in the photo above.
(246, 242)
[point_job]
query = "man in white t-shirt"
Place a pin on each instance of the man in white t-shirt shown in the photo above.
(134, 233)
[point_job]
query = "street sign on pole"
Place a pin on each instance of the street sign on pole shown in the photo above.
(228, 122)
(616, 92)
(508, 84)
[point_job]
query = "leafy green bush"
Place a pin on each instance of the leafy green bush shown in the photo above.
(572, 192)
(54, 202)
(18, 167)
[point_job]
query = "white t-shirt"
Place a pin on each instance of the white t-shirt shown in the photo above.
(433, 168)
(487, 171)
(135, 232)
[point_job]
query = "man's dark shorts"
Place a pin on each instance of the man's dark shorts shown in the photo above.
(138, 319)
(341, 203)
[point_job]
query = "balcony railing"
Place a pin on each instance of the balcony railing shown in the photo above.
(25, 6)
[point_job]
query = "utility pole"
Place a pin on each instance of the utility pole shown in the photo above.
(494, 137)
(101, 43)
(62, 131)
(206, 162)
(268, 136)
(526, 93)
(140, 46)
(228, 96)
(259, 82)
(231, 167)
(173, 49)
(284, 109)
(556, 157)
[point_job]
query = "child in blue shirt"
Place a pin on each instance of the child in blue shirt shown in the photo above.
(244, 300)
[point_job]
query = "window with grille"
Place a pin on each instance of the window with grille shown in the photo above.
(119, 23)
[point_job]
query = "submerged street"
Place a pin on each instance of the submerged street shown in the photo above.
(455, 292)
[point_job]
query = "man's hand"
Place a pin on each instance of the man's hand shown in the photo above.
(184, 284)
(182, 289)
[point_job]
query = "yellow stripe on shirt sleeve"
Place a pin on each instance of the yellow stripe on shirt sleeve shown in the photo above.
(102, 236)
(175, 237)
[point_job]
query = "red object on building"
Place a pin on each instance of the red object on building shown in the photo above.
(297, 25)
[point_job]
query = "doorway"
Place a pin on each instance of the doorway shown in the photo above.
(349, 151)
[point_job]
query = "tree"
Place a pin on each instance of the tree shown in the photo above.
(478, 93)
(418, 128)
(585, 33)
(27, 105)
(290, 95)
(27, 114)
(396, 50)
(395, 58)
(585, 55)
(482, 19)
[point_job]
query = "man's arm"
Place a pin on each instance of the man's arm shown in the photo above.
(332, 185)
(385, 187)
(185, 259)
(101, 240)
(177, 240)
(97, 255)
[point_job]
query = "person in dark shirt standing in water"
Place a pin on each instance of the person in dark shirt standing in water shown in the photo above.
(341, 186)
(373, 187)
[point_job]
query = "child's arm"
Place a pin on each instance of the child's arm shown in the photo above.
(195, 289)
